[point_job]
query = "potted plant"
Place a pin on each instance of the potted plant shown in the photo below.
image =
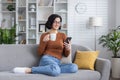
(7, 36)
(11, 7)
(112, 42)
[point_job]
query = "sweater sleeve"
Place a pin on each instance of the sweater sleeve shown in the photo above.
(65, 51)
(42, 45)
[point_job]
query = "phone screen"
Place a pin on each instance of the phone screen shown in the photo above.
(68, 39)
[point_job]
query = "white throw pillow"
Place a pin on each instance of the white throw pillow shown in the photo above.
(66, 60)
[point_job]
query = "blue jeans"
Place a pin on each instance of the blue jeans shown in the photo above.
(50, 65)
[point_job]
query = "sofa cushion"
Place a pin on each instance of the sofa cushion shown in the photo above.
(18, 56)
(76, 47)
(66, 60)
(86, 59)
(80, 75)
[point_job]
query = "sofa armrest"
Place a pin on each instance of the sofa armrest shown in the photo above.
(103, 66)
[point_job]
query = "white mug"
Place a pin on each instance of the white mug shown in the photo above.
(52, 36)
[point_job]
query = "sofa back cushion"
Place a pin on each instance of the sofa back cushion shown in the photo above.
(18, 55)
(25, 55)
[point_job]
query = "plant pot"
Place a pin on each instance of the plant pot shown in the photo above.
(116, 67)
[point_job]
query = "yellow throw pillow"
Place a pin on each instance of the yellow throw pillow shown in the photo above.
(86, 59)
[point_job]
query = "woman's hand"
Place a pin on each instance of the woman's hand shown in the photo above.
(46, 38)
(67, 45)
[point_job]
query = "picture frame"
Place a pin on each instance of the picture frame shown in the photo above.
(42, 28)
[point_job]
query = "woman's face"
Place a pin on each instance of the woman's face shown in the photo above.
(56, 24)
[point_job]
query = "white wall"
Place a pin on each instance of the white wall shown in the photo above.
(112, 13)
(0, 14)
(78, 23)
(117, 12)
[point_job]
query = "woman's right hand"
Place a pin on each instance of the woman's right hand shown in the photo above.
(46, 38)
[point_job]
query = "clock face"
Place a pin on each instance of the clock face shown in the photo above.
(80, 8)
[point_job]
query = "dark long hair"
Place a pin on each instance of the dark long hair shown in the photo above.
(51, 19)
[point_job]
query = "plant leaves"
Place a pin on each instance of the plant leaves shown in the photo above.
(111, 41)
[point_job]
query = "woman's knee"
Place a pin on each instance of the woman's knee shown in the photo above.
(55, 70)
(73, 68)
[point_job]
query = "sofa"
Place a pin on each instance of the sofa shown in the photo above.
(26, 56)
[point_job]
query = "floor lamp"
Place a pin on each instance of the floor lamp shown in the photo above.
(95, 22)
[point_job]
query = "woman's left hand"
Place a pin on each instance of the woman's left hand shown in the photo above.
(67, 45)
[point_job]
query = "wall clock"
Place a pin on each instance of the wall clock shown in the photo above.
(80, 8)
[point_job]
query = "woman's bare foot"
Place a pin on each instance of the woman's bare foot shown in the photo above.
(28, 70)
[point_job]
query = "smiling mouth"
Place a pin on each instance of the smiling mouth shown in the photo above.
(56, 26)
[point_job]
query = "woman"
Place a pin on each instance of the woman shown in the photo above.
(52, 51)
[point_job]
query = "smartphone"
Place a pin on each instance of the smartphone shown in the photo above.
(68, 39)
